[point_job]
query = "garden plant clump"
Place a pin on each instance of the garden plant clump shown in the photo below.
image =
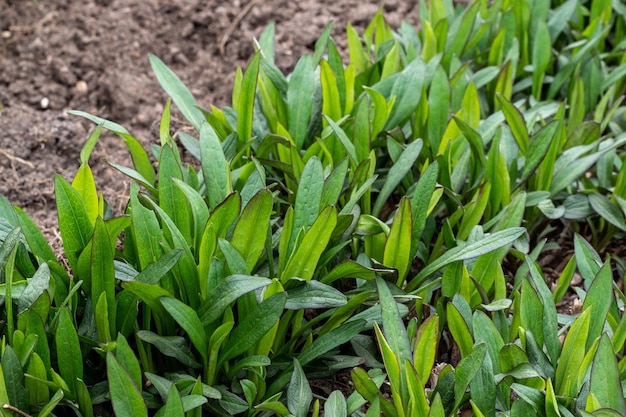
(393, 217)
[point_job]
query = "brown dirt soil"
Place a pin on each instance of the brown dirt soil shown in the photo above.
(92, 55)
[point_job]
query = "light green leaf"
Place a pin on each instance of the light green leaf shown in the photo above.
(125, 396)
(176, 89)
(255, 325)
(397, 173)
(605, 377)
(187, 318)
(227, 292)
(69, 356)
(398, 246)
(215, 168)
(489, 243)
(299, 394)
(252, 227)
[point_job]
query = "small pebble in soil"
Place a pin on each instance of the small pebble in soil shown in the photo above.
(81, 86)
(44, 103)
(6, 34)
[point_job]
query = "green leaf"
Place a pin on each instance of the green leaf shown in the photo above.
(172, 346)
(300, 99)
(50, 405)
(398, 246)
(425, 351)
(187, 318)
(331, 102)
(394, 330)
(599, 299)
(176, 89)
(140, 158)
(84, 183)
(171, 198)
(255, 325)
(516, 122)
(466, 370)
(343, 138)
(460, 330)
(397, 173)
(252, 227)
(572, 356)
(227, 292)
(538, 148)
(215, 168)
(299, 394)
(174, 405)
(406, 89)
(303, 262)
(608, 210)
(125, 396)
(335, 405)
(489, 243)
(605, 377)
(127, 359)
(74, 224)
(69, 356)
(103, 271)
(541, 56)
(36, 286)
(308, 198)
(314, 294)
(245, 106)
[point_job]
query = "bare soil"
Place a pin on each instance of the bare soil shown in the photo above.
(92, 55)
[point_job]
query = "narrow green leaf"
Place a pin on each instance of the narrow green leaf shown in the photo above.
(566, 382)
(608, 210)
(299, 394)
(176, 89)
(516, 122)
(398, 246)
(466, 370)
(406, 89)
(125, 396)
(69, 356)
(252, 227)
(215, 168)
(599, 299)
(489, 243)
(171, 198)
(74, 224)
(460, 330)
(397, 173)
(395, 332)
(50, 405)
(255, 325)
(227, 292)
(245, 106)
(128, 360)
(303, 262)
(140, 158)
(314, 294)
(425, 352)
(300, 99)
(103, 271)
(187, 318)
(173, 346)
(605, 377)
(174, 405)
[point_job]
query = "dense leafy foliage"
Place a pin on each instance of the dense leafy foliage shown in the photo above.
(384, 217)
